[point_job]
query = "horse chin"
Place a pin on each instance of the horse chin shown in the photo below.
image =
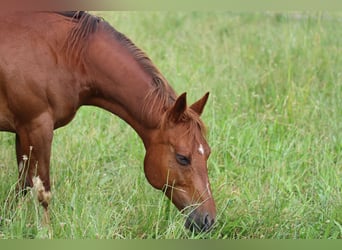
(197, 222)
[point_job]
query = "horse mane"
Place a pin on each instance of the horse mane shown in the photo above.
(76, 41)
(159, 98)
(194, 122)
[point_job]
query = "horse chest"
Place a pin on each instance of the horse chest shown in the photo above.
(5, 122)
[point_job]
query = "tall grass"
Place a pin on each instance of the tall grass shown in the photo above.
(275, 128)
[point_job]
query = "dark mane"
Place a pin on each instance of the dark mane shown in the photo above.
(161, 95)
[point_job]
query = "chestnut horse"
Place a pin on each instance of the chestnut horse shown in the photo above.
(53, 63)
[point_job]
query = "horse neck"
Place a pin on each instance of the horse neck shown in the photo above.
(120, 85)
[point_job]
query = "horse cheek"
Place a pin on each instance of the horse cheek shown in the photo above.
(153, 169)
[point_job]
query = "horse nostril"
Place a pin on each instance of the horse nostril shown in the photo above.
(208, 221)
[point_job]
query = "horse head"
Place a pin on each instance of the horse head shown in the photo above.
(176, 162)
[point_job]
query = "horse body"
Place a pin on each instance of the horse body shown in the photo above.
(34, 80)
(51, 64)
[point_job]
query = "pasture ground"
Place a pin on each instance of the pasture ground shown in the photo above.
(275, 127)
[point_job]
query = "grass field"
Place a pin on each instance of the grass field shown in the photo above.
(275, 127)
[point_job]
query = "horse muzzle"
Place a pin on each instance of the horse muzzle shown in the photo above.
(199, 222)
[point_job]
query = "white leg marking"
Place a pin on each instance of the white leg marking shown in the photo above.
(43, 197)
(201, 149)
(39, 188)
(21, 166)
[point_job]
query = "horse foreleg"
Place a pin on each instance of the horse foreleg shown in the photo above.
(33, 147)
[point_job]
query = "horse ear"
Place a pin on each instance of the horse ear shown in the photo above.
(178, 108)
(199, 105)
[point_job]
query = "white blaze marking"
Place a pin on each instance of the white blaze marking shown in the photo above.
(201, 149)
(208, 189)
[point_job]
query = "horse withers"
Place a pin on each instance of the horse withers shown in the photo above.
(53, 63)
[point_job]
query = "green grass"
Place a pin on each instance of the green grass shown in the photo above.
(275, 127)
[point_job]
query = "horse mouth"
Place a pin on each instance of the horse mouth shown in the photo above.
(198, 223)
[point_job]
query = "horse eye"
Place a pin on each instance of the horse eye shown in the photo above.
(182, 160)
